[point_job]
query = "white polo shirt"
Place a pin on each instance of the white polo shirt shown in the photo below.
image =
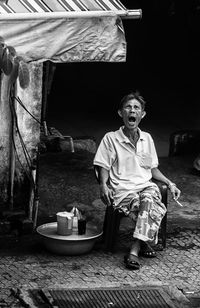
(129, 166)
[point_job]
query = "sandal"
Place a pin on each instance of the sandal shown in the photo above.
(132, 261)
(147, 251)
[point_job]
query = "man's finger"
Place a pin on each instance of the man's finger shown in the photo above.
(108, 200)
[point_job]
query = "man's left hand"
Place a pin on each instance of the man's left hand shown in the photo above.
(175, 192)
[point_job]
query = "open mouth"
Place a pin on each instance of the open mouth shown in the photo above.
(131, 119)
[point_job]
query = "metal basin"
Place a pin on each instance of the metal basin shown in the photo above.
(73, 244)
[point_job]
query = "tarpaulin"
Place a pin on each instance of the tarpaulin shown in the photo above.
(67, 40)
(40, 30)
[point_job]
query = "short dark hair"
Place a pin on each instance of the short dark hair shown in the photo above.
(132, 95)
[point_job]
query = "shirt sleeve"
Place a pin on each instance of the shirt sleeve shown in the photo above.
(105, 154)
(153, 154)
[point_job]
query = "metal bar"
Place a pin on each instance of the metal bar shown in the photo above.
(103, 298)
(32, 194)
(83, 299)
(74, 297)
(124, 14)
(46, 68)
(110, 298)
(100, 297)
(129, 296)
(60, 298)
(36, 196)
(133, 14)
(90, 300)
(12, 149)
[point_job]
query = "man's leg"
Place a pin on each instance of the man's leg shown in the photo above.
(130, 207)
(146, 210)
(135, 248)
(151, 212)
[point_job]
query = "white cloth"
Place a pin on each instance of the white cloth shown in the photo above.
(66, 40)
(129, 167)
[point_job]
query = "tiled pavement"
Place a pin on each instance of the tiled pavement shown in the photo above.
(25, 264)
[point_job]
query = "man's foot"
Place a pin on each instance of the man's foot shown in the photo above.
(132, 261)
(147, 251)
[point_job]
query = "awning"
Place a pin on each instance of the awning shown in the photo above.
(40, 6)
(66, 30)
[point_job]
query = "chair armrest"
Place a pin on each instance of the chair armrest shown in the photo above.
(163, 190)
(160, 184)
(163, 187)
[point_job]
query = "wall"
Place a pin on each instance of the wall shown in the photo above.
(21, 155)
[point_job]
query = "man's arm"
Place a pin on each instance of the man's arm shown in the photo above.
(106, 193)
(158, 175)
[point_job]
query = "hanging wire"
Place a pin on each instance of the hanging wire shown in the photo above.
(14, 120)
(26, 154)
(22, 105)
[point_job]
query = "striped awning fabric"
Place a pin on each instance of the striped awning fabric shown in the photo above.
(41, 6)
(66, 30)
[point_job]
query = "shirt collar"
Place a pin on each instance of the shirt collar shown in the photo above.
(123, 138)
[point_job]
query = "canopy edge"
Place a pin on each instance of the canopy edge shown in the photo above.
(124, 14)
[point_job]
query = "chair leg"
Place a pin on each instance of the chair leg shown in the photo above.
(164, 220)
(105, 223)
(164, 230)
(115, 229)
(110, 228)
(107, 227)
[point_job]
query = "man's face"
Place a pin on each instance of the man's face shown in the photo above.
(132, 113)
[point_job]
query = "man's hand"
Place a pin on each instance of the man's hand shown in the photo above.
(174, 191)
(106, 194)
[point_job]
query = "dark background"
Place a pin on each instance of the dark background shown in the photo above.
(162, 62)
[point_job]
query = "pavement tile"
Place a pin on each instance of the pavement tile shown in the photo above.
(177, 266)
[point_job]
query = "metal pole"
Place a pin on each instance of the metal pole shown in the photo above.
(12, 149)
(45, 93)
(131, 14)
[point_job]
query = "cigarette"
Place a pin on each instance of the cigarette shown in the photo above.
(178, 203)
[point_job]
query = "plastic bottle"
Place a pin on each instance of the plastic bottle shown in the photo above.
(81, 224)
(75, 220)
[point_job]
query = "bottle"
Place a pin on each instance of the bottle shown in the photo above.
(81, 224)
(75, 220)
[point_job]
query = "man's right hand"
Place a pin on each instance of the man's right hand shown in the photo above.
(106, 194)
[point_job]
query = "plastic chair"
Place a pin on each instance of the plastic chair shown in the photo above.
(112, 219)
(184, 142)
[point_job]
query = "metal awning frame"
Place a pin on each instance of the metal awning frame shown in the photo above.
(124, 14)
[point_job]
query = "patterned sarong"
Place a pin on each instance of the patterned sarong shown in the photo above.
(146, 210)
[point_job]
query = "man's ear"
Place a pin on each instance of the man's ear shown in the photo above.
(120, 113)
(143, 114)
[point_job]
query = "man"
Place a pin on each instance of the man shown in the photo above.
(127, 157)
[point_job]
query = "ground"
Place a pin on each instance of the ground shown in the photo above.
(67, 179)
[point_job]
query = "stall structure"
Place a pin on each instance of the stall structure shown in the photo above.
(32, 33)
